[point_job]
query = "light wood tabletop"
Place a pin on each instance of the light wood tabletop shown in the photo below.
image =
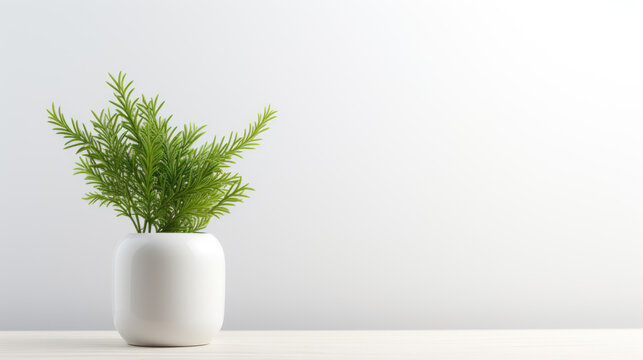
(302, 345)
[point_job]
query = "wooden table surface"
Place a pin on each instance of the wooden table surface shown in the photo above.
(302, 345)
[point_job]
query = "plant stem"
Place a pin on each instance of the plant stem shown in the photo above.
(138, 230)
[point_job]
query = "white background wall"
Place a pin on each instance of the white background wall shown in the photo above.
(435, 164)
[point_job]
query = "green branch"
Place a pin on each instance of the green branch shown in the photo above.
(152, 172)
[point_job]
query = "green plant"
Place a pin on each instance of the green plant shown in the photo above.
(153, 172)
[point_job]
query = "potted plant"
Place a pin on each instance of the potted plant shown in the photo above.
(169, 278)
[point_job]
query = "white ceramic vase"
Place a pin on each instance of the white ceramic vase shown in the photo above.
(169, 289)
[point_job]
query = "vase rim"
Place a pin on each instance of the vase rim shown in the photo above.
(174, 233)
(169, 235)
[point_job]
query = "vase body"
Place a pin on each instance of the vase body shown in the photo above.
(169, 289)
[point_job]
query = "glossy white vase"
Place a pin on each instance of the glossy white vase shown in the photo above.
(169, 289)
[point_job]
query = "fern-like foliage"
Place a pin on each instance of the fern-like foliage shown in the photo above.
(152, 172)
